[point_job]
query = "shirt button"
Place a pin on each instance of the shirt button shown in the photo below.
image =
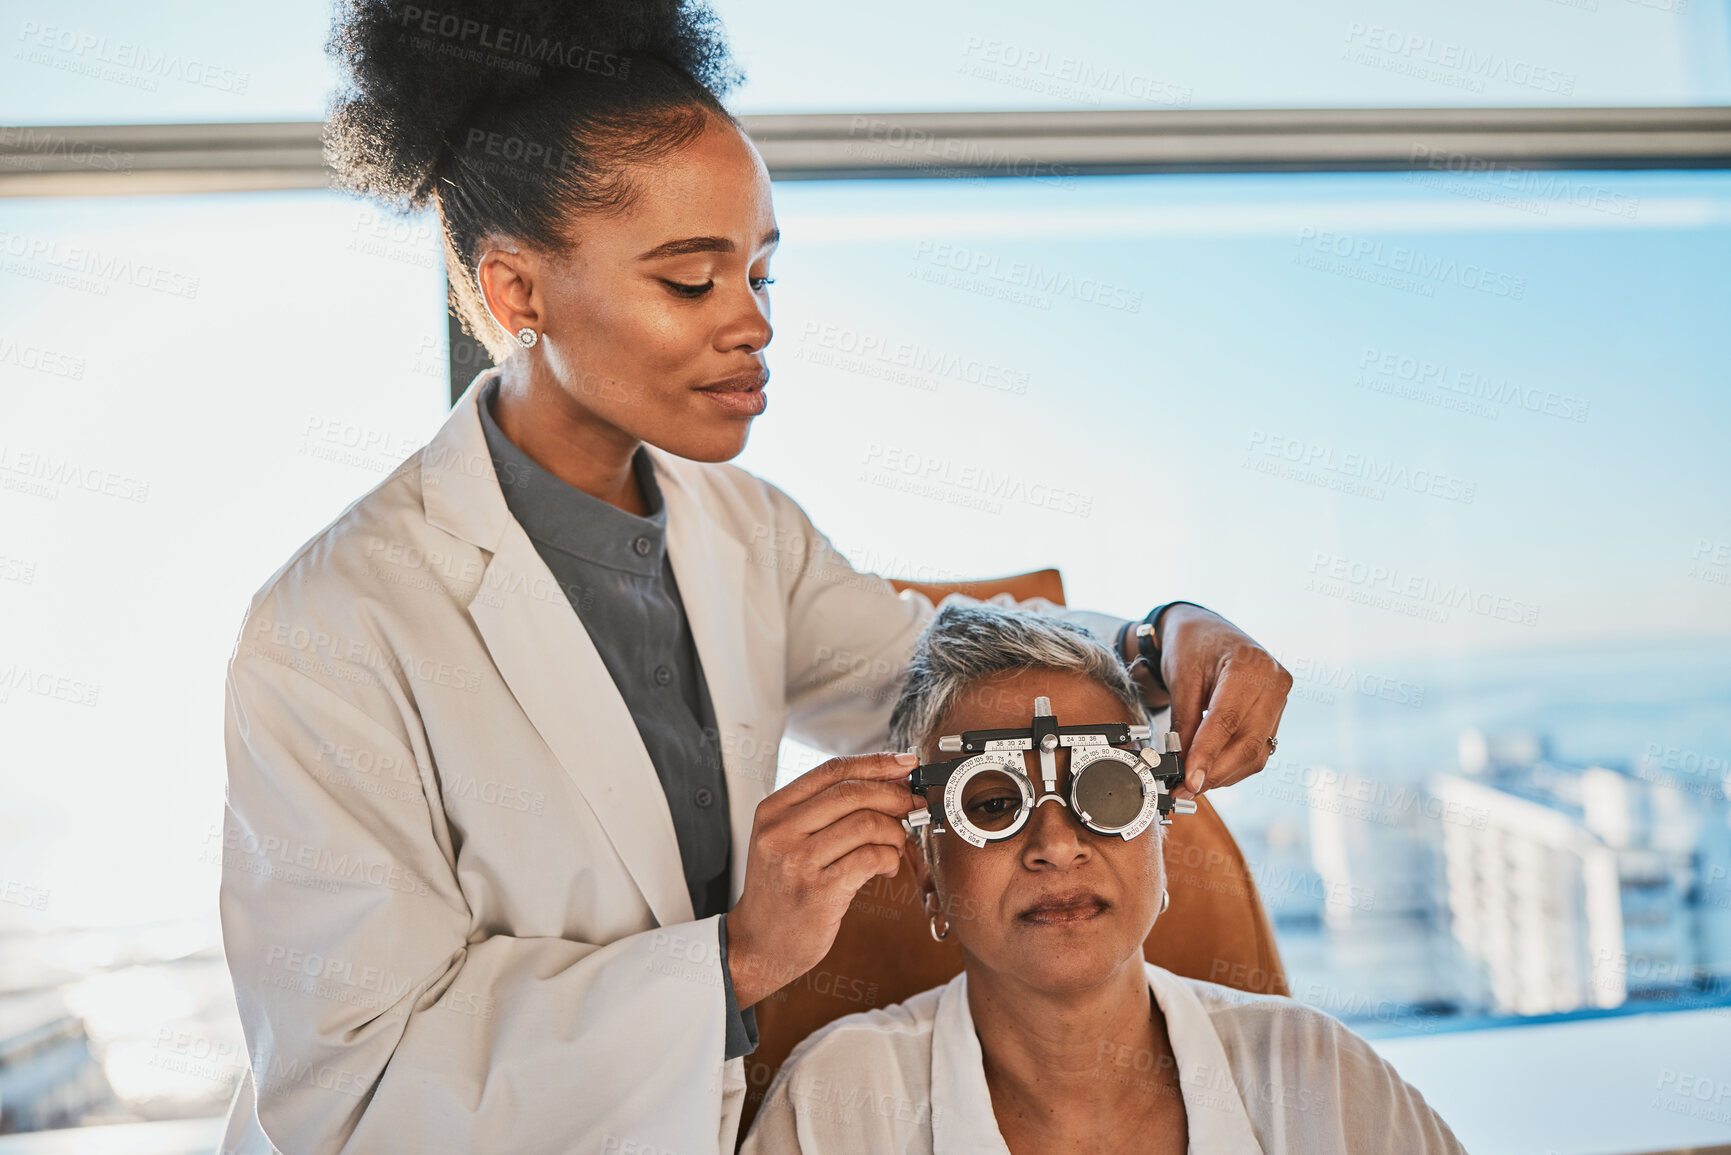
(703, 796)
(663, 675)
(642, 545)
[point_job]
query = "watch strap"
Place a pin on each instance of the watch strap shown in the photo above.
(1148, 643)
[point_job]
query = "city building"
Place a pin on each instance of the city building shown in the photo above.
(1583, 886)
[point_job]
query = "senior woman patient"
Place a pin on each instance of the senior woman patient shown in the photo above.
(1058, 1036)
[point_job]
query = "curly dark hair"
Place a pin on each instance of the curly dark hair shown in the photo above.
(510, 116)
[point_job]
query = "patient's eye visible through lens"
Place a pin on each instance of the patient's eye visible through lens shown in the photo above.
(991, 800)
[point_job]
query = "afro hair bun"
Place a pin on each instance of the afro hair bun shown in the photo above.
(418, 75)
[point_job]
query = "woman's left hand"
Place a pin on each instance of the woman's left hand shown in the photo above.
(1211, 665)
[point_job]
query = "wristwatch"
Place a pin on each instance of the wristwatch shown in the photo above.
(1148, 639)
(1148, 643)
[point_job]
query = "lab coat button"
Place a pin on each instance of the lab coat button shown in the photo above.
(703, 796)
(663, 675)
(642, 545)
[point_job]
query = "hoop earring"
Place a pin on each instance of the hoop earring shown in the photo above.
(932, 925)
(1165, 900)
(527, 337)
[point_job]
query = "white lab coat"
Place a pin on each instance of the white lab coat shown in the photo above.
(452, 899)
(1260, 1075)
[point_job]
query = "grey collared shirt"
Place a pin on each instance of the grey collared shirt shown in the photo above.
(614, 569)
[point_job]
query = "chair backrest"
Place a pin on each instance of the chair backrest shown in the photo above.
(1215, 928)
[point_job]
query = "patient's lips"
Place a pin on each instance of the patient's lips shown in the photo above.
(1069, 906)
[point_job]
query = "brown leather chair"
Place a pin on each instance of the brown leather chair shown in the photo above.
(1215, 929)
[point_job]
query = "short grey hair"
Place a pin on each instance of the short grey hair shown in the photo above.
(968, 642)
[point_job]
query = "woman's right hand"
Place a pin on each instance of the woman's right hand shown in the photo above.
(814, 843)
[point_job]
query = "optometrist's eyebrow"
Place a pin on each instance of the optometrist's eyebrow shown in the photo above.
(687, 245)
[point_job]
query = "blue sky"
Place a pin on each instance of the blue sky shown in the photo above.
(265, 62)
(1237, 352)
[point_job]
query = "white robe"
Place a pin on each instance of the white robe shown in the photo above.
(452, 899)
(1259, 1074)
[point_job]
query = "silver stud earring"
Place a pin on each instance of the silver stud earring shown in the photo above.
(527, 337)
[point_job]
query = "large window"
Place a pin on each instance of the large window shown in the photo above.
(189, 389)
(1449, 446)
(1454, 448)
(1450, 440)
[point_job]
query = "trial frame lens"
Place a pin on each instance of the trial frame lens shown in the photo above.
(989, 797)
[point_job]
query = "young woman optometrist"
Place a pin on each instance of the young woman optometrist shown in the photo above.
(502, 738)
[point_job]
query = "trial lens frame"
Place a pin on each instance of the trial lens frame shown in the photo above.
(1159, 771)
